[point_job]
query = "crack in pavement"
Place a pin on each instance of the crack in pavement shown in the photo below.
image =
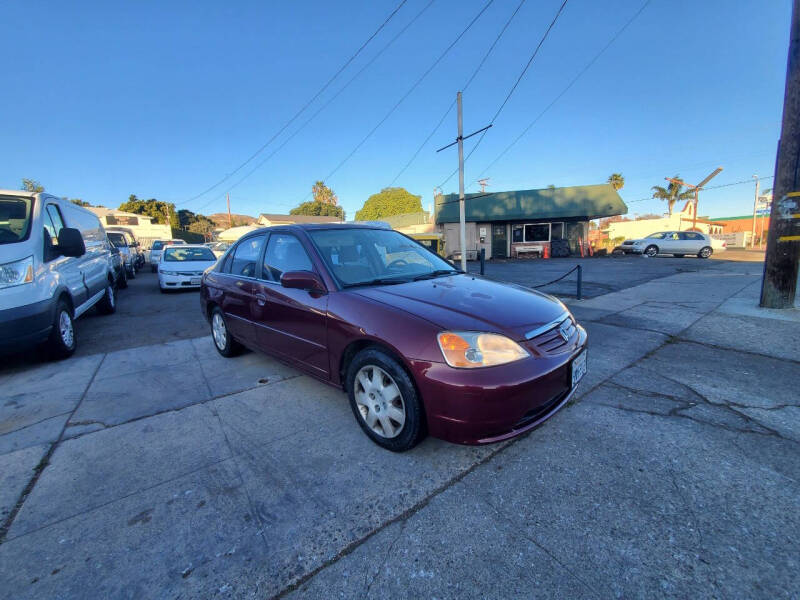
(385, 558)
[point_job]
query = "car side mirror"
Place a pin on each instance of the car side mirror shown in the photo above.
(70, 242)
(303, 280)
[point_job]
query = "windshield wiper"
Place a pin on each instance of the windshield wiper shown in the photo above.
(377, 281)
(436, 273)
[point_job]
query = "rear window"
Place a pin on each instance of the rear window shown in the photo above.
(15, 219)
(117, 239)
(187, 254)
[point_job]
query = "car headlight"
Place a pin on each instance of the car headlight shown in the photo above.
(168, 272)
(16, 273)
(469, 349)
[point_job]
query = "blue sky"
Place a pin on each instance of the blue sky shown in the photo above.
(164, 99)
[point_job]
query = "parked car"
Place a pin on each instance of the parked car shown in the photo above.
(122, 242)
(182, 265)
(120, 273)
(155, 252)
(55, 264)
(418, 345)
(677, 243)
(218, 248)
(134, 245)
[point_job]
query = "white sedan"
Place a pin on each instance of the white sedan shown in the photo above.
(677, 243)
(182, 266)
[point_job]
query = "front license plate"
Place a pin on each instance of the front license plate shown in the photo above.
(578, 368)
(195, 280)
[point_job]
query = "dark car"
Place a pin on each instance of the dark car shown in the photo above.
(419, 346)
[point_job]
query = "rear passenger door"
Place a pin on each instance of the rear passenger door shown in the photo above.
(291, 322)
(692, 242)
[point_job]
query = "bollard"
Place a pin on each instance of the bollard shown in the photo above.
(580, 280)
(483, 260)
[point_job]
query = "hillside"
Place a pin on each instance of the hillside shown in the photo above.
(221, 219)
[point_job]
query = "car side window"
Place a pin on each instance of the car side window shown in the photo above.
(284, 253)
(244, 258)
(53, 223)
(691, 235)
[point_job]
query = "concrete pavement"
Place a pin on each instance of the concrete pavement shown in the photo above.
(168, 471)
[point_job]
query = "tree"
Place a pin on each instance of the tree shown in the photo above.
(318, 209)
(79, 202)
(186, 218)
(324, 194)
(31, 185)
(617, 181)
(160, 212)
(202, 224)
(389, 202)
(671, 194)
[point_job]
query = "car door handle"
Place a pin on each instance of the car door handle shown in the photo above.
(261, 299)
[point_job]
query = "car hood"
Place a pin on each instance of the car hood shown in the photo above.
(470, 303)
(187, 265)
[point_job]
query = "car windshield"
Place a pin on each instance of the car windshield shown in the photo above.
(117, 239)
(158, 245)
(656, 236)
(15, 219)
(173, 242)
(376, 256)
(186, 254)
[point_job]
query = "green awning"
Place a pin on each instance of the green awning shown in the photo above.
(582, 201)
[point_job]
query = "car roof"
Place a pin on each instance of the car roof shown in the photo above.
(187, 245)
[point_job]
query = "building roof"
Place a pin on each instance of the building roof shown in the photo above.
(583, 201)
(299, 218)
(102, 211)
(735, 218)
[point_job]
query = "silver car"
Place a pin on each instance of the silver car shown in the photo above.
(677, 243)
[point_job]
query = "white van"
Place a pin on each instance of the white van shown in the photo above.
(55, 264)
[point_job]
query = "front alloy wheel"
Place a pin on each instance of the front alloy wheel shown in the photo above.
(651, 251)
(379, 401)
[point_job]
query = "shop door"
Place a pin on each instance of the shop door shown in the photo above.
(498, 241)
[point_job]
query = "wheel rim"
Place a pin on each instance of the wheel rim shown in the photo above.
(110, 296)
(651, 251)
(65, 329)
(219, 331)
(379, 401)
(705, 253)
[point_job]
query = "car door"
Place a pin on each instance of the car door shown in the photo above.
(671, 243)
(692, 242)
(291, 322)
(239, 275)
(67, 267)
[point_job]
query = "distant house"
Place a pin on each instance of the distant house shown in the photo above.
(682, 220)
(268, 220)
(515, 223)
(141, 226)
(738, 231)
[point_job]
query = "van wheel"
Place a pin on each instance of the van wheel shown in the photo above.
(108, 303)
(384, 400)
(133, 272)
(62, 341)
(122, 281)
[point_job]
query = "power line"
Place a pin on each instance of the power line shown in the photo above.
(514, 87)
(452, 104)
(567, 88)
(305, 106)
(407, 94)
(323, 106)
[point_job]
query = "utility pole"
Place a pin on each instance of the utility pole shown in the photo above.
(461, 208)
(755, 209)
(230, 220)
(696, 189)
(462, 214)
(779, 285)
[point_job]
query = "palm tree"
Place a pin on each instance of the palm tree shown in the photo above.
(672, 193)
(617, 181)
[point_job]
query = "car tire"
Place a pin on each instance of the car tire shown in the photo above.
(224, 342)
(152, 268)
(122, 281)
(133, 273)
(62, 341)
(163, 290)
(108, 303)
(393, 392)
(705, 252)
(678, 255)
(651, 250)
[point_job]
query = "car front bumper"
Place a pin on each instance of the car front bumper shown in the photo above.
(26, 325)
(482, 406)
(176, 282)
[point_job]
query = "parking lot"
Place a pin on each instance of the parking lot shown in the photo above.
(148, 466)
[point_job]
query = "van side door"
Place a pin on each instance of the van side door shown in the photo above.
(65, 268)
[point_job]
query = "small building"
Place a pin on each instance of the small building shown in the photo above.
(141, 226)
(738, 231)
(682, 220)
(518, 223)
(265, 220)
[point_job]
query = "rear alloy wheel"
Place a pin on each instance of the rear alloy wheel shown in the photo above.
(384, 400)
(705, 252)
(108, 303)
(651, 250)
(223, 340)
(62, 341)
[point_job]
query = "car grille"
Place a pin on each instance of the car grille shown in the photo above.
(552, 342)
(190, 273)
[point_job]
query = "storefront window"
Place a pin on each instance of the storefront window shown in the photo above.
(537, 232)
(516, 234)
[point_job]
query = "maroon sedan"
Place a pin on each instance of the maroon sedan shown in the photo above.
(419, 346)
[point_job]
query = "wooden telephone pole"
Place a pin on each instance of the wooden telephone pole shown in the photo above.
(230, 220)
(779, 285)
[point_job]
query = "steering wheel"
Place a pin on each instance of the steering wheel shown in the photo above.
(397, 263)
